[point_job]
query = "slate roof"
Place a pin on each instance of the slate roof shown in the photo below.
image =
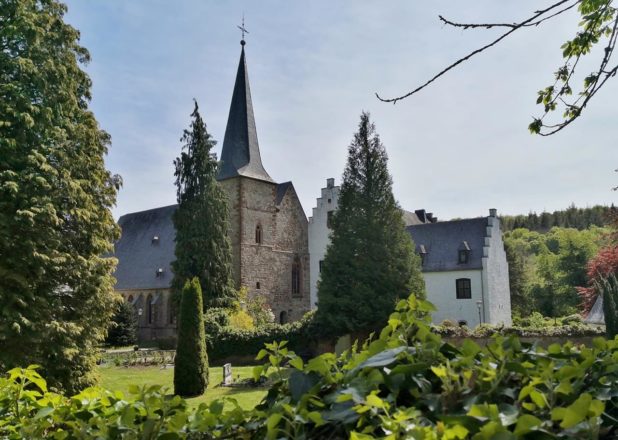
(282, 188)
(410, 218)
(139, 255)
(596, 315)
(240, 155)
(443, 240)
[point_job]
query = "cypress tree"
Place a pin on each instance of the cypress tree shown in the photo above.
(56, 226)
(191, 363)
(370, 262)
(203, 247)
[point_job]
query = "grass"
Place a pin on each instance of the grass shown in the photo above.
(119, 378)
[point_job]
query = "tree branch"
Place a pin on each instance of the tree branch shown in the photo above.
(509, 25)
(536, 16)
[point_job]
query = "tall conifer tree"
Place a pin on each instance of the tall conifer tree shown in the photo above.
(56, 286)
(191, 362)
(370, 262)
(203, 247)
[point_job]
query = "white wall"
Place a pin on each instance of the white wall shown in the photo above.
(442, 293)
(319, 235)
(496, 275)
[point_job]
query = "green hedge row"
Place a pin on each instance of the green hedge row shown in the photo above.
(226, 342)
(407, 383)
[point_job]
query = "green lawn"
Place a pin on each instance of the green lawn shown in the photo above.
(119, 379)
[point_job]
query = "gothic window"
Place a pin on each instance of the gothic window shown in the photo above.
(149, 309)
(464, 288)
(296, 276)
(283, 317)
(171, 311)
(258, 234)
(130, 299)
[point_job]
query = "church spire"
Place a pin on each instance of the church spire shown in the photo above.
(240, 155)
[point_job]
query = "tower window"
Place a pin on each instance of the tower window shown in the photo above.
(464, 288)
(321, 265)
(329, 219)
(296, 276)
(258, 234)
(257, 285)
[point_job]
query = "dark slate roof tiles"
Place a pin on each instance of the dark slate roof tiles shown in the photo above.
(443, 240)
(139, 256)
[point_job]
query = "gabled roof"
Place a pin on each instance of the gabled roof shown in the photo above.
(282, 188)
(240, 155)
(443, 240)
(140, 255)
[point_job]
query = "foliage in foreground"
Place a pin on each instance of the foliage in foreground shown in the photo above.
(191, 364)
(56, 226)
(407, 383)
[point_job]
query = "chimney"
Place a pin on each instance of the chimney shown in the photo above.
(493, 212)
(420, 213)
(434, 220)
(330, 183)
(430, 217)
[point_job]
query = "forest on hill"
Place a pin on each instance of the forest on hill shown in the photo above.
(572, 217)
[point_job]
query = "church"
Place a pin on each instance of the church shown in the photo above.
(268, 233)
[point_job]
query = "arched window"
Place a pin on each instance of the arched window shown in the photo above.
(171, 311)
(296, 276)
(149, 309)
(130, 299)
(258, 234)
(283, 317)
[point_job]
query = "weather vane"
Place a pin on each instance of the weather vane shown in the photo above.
(242, 29)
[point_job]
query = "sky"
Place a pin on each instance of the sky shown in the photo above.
(457, 149)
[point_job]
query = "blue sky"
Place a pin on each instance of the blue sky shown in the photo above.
(457, 149)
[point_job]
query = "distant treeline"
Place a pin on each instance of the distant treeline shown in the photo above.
(578, 218)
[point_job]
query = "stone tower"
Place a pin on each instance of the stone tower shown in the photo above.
(268, 229)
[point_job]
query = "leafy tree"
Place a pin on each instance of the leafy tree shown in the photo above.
(598, 26)
(370, 262)
(123, 328)
(56, 287)
(520, 301)
(203, 248)
(191, 362)
(603, 265)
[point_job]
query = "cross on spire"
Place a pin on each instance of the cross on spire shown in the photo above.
(243, 30)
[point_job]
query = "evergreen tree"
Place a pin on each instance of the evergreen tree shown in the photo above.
(123, 328)
(370, 263)
(56, 286)
(203, 248)
(191, 362)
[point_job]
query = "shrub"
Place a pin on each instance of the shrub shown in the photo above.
(407, 383)
(191, 364)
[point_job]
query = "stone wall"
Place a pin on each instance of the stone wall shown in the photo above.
(265, 267)
(157, 319)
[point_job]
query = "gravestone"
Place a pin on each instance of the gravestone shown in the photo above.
(227, 374)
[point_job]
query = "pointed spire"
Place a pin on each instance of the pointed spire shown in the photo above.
(240, 155)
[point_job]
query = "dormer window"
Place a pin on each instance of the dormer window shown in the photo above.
(155, 239)
(159, 272)
(463, 256)
(422, 252)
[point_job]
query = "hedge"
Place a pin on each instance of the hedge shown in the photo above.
(407, 383)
